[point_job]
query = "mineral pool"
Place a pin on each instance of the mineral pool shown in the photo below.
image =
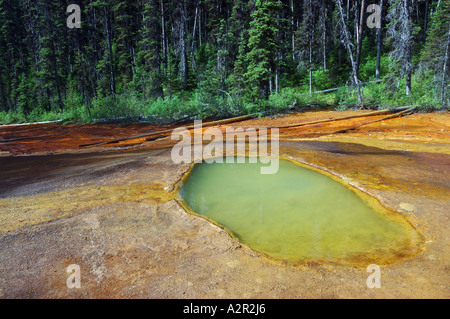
(298, 214)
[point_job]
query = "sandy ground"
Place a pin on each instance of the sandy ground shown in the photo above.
(112, 210)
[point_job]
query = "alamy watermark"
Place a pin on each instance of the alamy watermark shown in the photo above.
(374, 19)
(74, 20)
(190, 149)
(74, 280)
(230, 146)
(374, 280)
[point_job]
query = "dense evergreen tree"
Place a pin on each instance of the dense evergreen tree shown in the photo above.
(214, 50)
(436, 55)
(400, 31)
(150, 75)
(262, 45)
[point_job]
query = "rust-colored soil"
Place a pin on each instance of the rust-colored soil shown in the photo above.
(113, 211)
(432, 128)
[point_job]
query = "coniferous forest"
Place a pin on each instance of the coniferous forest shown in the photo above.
(165, 60)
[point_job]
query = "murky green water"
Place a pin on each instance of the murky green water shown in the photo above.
(296, 214)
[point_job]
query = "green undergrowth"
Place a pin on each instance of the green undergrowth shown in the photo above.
(129, 107)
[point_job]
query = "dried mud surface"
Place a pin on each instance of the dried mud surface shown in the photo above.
(113, 211)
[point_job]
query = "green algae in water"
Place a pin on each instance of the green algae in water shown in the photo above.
(297, 214)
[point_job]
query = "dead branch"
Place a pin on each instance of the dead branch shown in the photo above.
(335, 89)
(399, 114)
(189, 127)
(381, 112)
(26, 138)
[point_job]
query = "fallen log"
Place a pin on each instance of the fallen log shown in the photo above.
(33, 123)
(154, 138)
(397, 111)
(189, 127)
(335, 89)
(402, 113)
(319, 134)
(381, 112)
(26, 138)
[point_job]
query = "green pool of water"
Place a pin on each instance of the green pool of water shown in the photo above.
(297, 214)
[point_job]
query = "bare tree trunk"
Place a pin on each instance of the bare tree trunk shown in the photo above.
(444, 70)
(277, 57)
(360, 35)
(408, 51)
(163, 36)
(324, 47)
(194, 28)
(109, 41)
(292, 30)
(310, 66)
(277, 76)
(183, 44)
(194, 65)
(200, 26)
(425, 23)
(408, 83)
(379, 43)
(349, 49)
(348, 9)
(323, 29)
(311, 39)
(340, 50)
(270, 83)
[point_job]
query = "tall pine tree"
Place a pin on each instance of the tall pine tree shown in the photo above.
(262, 46)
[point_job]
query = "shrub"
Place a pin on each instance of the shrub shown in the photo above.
(322, 79)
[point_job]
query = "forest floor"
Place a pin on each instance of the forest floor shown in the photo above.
(113, 211)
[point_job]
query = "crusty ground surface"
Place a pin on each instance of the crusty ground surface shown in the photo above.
(113, 210)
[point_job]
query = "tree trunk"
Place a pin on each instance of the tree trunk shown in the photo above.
(425, 23)
(277, 58)
(155, 49)
(408, 50)
(311, 39)
(194, 28)
(3, 105)
(111, 61)
(360, 35)
(200, 25)
(163, 36)
(292, 30)
(408, 83)
(348, 9)
(349, 49)
(444, 70)
(57, 78)
(183, 44)
(324, 46)
(379, 43)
